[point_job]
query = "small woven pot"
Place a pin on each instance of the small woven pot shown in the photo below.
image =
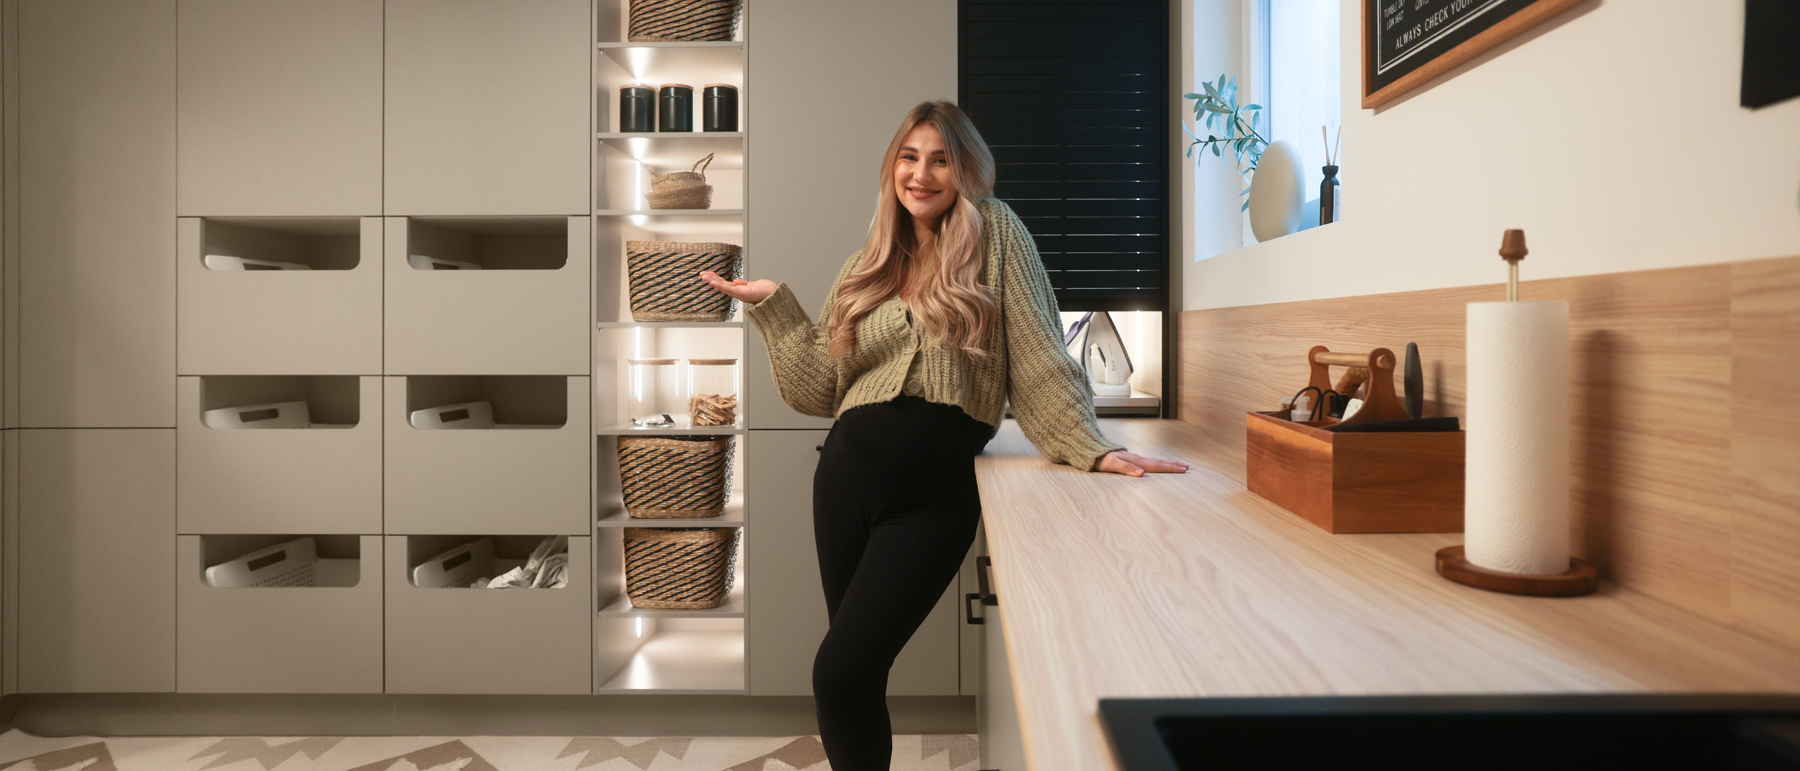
(665, 284)
(679, 568)
(675, 477)
(681, 189)
(683, 21)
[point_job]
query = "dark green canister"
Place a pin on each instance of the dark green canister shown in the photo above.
(675, 108)
(637, 108)
(719, 107)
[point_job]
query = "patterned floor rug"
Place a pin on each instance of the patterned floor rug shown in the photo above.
(20, 751)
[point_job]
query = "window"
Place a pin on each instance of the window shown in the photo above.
(1294, 67)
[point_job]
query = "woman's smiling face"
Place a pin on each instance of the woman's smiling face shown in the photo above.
(922, 176)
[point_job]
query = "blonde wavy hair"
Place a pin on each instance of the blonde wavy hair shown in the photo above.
(949, 300)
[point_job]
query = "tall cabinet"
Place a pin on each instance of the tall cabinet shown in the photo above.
(358, 210)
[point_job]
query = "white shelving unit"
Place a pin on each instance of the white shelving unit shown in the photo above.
(639, 650)
(680, 655)
(613, 515)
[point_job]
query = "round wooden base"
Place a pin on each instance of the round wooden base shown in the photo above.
(1582, 578)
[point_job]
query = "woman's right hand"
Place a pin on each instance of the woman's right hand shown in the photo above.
(750, 292)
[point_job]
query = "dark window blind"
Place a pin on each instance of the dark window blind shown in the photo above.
(1073, 99)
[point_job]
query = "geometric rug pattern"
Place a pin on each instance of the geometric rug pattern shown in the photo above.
(20, 751)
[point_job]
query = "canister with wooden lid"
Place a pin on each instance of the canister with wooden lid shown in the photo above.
(719, 107)
(675, 108)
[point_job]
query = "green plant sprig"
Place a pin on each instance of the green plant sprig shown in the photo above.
(1218, 110)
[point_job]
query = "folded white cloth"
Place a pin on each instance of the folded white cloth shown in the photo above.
(546, 568)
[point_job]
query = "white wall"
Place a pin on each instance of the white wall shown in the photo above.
(1611, 134)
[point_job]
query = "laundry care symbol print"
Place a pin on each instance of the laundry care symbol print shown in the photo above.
(642, 754)
(234, 749)
(449, 756)
(87, 757)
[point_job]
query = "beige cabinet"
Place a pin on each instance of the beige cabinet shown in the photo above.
(323, 320)
(96, 216)
(280, 107)
(530, 473)
(823, 182)
(97, 561)
(286, 639)
(323, 479)
(487, 106)
(488, 296)
(787, 618)
(462, 640)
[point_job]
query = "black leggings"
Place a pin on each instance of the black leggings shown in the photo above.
(894, 514)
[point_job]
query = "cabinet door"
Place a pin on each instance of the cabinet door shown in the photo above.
(820, 185)
(97, 561)
(97, 207)
(787, 617)
(280, 107)
(487, 106)
(969, 636)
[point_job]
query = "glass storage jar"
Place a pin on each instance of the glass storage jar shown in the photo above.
(712, 392)
(655, 390)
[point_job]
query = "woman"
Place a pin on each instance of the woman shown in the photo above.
(944, 313)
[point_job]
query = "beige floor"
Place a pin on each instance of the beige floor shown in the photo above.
(23, 752)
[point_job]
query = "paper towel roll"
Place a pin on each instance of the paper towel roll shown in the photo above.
(1516, 492)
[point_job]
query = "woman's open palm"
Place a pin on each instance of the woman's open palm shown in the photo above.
(751, 292)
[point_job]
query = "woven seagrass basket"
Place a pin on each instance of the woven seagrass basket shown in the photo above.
(679, 568)
(683, 21)
(681, 189)
(675, 477)
(665, 284)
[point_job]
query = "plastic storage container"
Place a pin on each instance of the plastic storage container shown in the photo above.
(712, 392)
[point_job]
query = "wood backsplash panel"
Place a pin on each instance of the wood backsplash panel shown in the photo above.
(1765, 447)
(1679, 491)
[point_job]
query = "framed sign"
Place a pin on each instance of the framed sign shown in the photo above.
(1408, 42)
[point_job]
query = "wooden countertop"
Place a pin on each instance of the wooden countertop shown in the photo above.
(1189, 585)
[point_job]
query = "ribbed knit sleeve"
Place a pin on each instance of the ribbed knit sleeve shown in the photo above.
(1050, 394)
(805, 374)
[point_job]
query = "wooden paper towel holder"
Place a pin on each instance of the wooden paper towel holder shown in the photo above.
(1582, 578)
(1452, 563)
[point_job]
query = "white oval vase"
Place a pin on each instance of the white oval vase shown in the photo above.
(1277, 192)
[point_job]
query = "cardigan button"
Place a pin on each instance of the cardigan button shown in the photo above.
(914, 387)
(821, 335)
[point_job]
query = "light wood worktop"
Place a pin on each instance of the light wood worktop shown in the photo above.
(1189, 585)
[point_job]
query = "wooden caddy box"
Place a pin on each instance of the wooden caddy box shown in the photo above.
(1377, 482)
(1358, 483)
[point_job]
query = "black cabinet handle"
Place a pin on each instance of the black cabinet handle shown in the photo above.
(985, 594)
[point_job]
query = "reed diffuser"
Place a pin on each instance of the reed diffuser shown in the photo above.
(1330, 202)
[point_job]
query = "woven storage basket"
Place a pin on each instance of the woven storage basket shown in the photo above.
(675, 477)
(681, 189)
(664, 286)
(679, 568)
(683, 21)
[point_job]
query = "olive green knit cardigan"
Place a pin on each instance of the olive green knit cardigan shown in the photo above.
(1027, 361)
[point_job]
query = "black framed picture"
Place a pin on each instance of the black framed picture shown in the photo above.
(1408, 42)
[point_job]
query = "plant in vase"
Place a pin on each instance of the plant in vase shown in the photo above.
(1218, 111)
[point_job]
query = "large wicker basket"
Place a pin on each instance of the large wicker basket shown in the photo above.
(679, 568)
(665, 283)
(681, 189)
(683, 21)
(675, 477)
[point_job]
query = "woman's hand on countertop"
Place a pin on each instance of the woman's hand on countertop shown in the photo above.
(750, 292)
(1134, 465)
